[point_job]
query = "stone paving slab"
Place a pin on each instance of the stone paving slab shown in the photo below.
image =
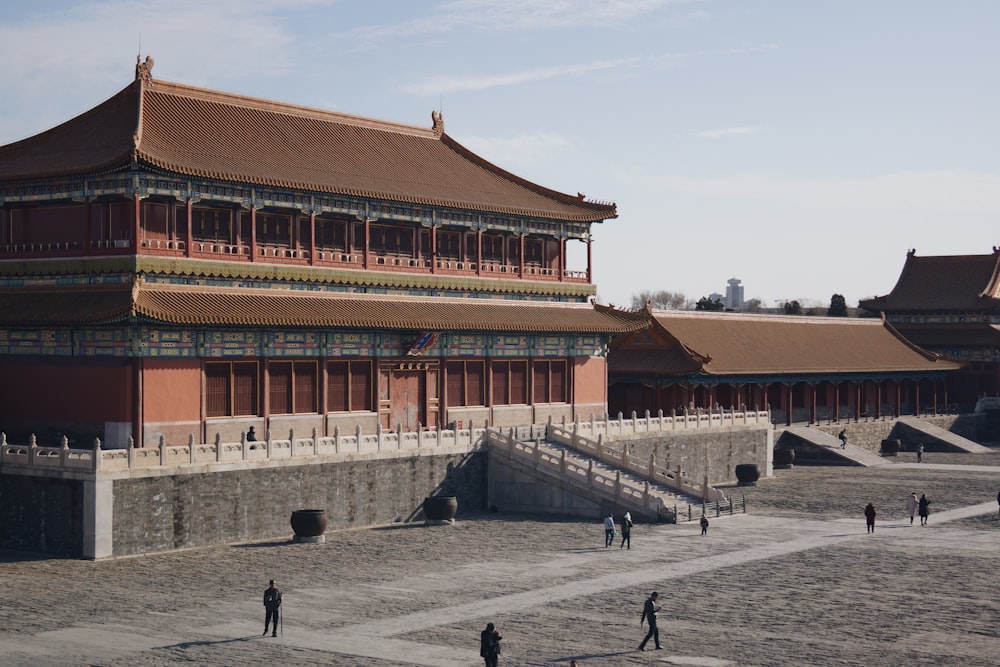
(797, 581)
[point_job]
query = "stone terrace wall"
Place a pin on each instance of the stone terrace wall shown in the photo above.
(41, 514)
(869, 434)
(187, 510)
(713, 452)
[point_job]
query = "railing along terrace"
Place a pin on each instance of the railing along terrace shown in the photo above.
(612, 486)
(687, 419)
(620, 458)
(728, 507)
(269, 449)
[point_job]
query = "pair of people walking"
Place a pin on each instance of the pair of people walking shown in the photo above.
(920, 507)
(609, 530)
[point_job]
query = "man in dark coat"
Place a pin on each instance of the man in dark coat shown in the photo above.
(489, 645)
(272, 600)
(649, 611)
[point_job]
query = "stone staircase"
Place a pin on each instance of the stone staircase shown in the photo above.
(615, 482)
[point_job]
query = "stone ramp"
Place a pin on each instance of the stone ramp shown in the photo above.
(940, 436)
(830, 445)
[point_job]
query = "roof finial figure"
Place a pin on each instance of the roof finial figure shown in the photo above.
(438, 119)
(144, 70)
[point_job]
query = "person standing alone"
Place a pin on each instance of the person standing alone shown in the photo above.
(272, 600)
(649, 611)
(489, 645)
(870, 517)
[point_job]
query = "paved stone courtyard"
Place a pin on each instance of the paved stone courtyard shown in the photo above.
(796, 581)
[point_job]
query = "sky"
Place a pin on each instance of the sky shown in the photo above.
(803, 147)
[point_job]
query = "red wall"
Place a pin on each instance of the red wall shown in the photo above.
(171, 390)
(590, 380)
(65, 390)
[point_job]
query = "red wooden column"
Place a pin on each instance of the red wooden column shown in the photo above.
(253, 235)
(899, 398)
(479, 252)
(590, 259)
(368, 238)
(857, 400)
(87, 249)
(562, 259)
(788, 399)
(836, 401)
(312, 242)
(812, 406)
(521, 257)
(434, 248)
(878, 399)
(189, 226)
(137, 223)
(916, 398)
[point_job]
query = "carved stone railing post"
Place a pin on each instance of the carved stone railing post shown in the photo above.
(618, 483)
(652, 466)
(420, 432)
(357, 436)
(378, 440)
(399, 436)
(191, 448)
(336, 438)
(244, 446)
(267, 438)
(98, 456)
(590, 472)
(315, 442)
(63, 451)
(163, 451)
(562, 462)
(218, 446)
(291, 443)
(32, 448)
(439, 434)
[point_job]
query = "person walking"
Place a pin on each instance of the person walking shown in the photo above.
(272, 600)
(998, 501)
(843, 438)
(609, 530)
(704, 524)
(489, 645)
(911, 505)
(870, 517)
(626, 530)
(920, 453)
(649, 611)
(923, 509)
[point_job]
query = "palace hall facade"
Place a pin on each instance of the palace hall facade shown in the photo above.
(183, 262)
(801, 369)
(950, 304)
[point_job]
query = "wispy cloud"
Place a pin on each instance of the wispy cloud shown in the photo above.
(450, 84)
(523, 151)
(727, 132)
(957, 191)
(459, 82)
(517, 15)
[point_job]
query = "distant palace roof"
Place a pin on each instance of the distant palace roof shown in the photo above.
(204, 133)
(943, 283)
(188, 305)
(732, 344)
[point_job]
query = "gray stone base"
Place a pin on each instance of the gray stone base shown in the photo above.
(439, 522)
(302, 539)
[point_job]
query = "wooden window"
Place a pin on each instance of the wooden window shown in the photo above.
(293, 387)
(501, 383)
(280, 387)
(274, 230)
(211, 225)
(466, 383)
(217, 390)
(518, 382)
(493, 248)
(349, 386)
(304, 395)
(549, 381)
(154, 220)
(231, 389)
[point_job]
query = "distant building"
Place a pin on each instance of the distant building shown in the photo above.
(950, 305)
(734, 294)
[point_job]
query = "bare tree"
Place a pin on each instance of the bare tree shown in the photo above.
(661, 300)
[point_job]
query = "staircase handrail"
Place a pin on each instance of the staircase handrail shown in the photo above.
(613, 487)
(620, 458)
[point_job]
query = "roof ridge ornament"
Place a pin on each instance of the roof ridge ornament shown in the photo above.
(437, 118)
(144, 70)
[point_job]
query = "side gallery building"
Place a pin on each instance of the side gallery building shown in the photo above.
(184, 262)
